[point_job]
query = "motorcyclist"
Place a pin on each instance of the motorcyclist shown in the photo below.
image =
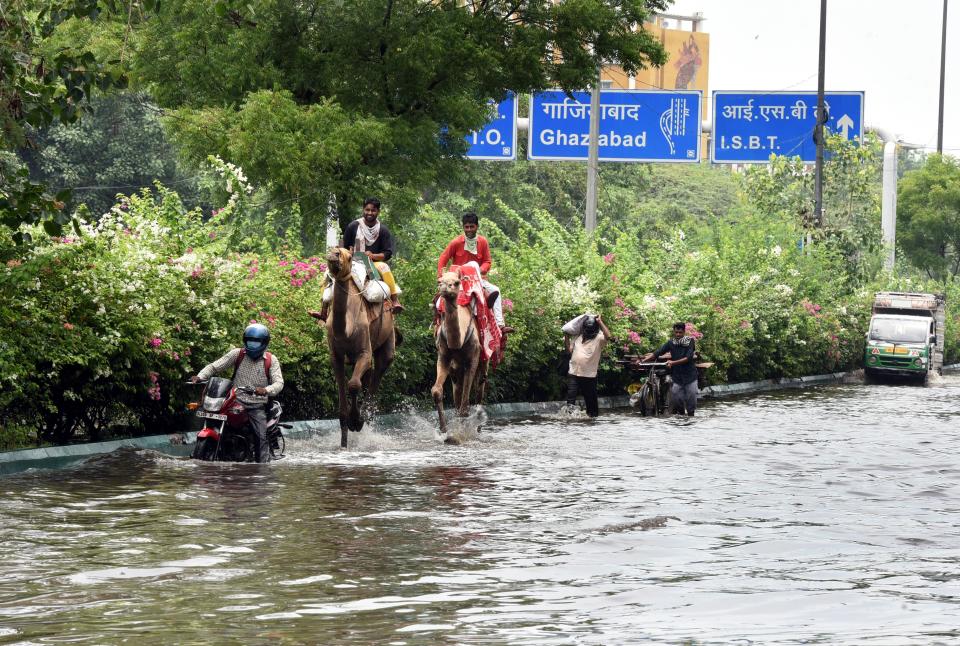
(251, 371)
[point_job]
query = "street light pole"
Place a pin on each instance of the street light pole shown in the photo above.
(943, 70)
(821, 120)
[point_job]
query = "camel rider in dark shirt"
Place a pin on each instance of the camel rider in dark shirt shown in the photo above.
(679, 353)
(370, 236)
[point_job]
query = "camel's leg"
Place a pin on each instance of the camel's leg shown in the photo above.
(337, 361)
(437, 391)
(466, 386)
(480, 389)
(354, 386)
(457, 378)
(382, 359)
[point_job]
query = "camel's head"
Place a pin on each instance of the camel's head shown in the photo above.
(338, 262)
(449, 285)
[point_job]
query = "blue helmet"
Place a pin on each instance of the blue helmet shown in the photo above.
(255, 340)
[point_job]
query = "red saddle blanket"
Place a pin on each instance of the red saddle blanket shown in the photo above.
(492, 342)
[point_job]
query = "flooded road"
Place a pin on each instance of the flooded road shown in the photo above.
(826, 515)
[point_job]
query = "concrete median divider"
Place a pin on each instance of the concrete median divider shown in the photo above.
(181, 444)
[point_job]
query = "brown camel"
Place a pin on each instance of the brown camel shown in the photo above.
(359, 333)
(458, 352)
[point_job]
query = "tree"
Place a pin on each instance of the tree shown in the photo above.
(40, 85)
(324, 97)
(118, 147)
(851, 197)
(928, 208)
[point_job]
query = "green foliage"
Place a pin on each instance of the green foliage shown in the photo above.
(356, 98)
(119, 145)
(105, 327)
(851, 198)
(41, 84)
(928, 214)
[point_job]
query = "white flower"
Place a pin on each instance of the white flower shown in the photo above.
(576, 292)
(783, 290)
(776, 251)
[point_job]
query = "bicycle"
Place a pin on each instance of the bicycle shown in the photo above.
(652, 396)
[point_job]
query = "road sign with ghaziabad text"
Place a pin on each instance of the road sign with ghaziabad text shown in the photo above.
(635, 126)
(748, 127)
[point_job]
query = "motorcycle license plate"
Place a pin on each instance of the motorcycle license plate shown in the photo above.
(203, 413)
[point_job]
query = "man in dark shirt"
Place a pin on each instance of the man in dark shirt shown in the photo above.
(370, 236)
(678, 352)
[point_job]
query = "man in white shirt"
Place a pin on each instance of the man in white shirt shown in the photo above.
(585, 353)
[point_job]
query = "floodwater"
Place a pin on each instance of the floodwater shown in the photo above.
(830, 515)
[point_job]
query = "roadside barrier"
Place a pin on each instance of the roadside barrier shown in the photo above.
(181, 444)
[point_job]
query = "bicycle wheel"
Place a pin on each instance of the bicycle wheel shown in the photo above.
(648, 399)
(666, 401)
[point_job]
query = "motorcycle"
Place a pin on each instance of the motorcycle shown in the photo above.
(226, 434)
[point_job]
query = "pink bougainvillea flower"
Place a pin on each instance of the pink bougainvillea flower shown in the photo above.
(614, 278)
(283, 263)
(619, 302)
(68, 326)
(156, 342)
(634, 337)
(213, 235)
(609, 258)
(744, 325)
(692, 331)
(508, 304)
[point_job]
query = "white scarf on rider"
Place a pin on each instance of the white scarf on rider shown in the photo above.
(366, 235)
(470, 244)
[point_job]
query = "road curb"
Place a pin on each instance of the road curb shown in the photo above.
(181, 444)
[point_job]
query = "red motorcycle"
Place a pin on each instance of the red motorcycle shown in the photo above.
(226, 435)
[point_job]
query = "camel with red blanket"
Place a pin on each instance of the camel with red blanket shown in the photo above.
(468, 340)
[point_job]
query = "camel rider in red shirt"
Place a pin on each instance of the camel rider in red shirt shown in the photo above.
(472, 247)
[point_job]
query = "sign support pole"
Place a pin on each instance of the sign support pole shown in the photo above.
(943, 70)
(593, 160)
(821, 119)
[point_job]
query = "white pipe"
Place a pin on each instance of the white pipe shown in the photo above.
(888, 205)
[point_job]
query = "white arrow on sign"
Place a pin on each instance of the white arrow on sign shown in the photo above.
(844, 123)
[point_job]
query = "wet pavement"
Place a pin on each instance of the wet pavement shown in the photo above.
(824, 515)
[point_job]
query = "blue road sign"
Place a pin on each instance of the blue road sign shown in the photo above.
(635, 126)
(748, 127)
(497, 139)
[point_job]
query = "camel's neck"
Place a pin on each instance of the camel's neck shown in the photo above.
(340, 318)
(451, 323)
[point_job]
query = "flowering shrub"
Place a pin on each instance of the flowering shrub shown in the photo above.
(103, 328)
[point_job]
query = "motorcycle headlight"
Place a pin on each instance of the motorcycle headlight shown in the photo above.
(213, 404)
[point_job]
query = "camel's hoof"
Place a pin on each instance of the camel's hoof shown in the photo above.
(355, 424)
(452, 440)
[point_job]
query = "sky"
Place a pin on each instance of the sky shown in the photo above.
(889, 49)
